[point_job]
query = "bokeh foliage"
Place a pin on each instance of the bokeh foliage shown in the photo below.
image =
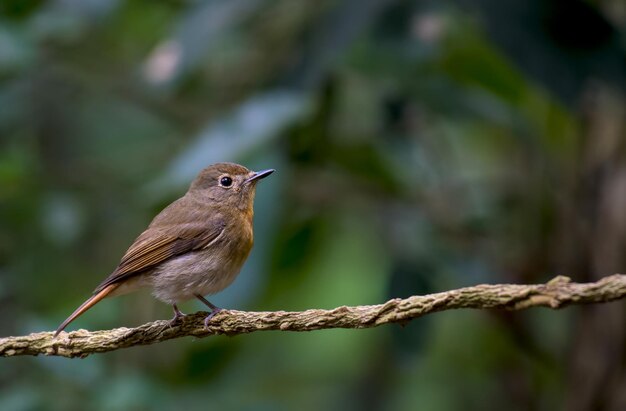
(420, 146)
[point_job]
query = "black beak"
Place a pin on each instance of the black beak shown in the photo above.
(259, 175)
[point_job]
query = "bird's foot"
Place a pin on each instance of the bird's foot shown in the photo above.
(177, 319)
(214, 309)
(178, 316)
(210, 316)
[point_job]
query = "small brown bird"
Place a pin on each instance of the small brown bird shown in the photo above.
(194, 247)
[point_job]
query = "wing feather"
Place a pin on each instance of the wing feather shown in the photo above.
(158, 244)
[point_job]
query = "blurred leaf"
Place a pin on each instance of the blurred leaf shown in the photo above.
(253, 123)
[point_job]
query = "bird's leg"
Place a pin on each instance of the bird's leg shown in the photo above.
(214, 309)
(177, 317)
(177, 313)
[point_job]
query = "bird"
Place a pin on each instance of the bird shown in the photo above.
(194, 247)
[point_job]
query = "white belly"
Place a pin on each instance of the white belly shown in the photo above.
(201, 272)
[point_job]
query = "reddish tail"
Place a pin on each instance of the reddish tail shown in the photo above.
(93, 300)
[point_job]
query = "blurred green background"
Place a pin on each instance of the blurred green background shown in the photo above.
(420, 146)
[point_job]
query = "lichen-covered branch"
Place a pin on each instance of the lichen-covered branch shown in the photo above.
(555, 294)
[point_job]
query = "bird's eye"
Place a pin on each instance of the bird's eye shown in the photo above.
(226, 181)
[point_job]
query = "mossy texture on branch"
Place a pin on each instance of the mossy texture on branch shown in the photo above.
(555, 294)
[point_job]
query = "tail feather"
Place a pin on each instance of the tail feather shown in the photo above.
(93, 300)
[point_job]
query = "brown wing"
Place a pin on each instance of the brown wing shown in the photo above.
(158, 244)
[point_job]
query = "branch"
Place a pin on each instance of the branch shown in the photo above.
(555, 294)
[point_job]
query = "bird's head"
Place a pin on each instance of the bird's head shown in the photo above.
(228, 184)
